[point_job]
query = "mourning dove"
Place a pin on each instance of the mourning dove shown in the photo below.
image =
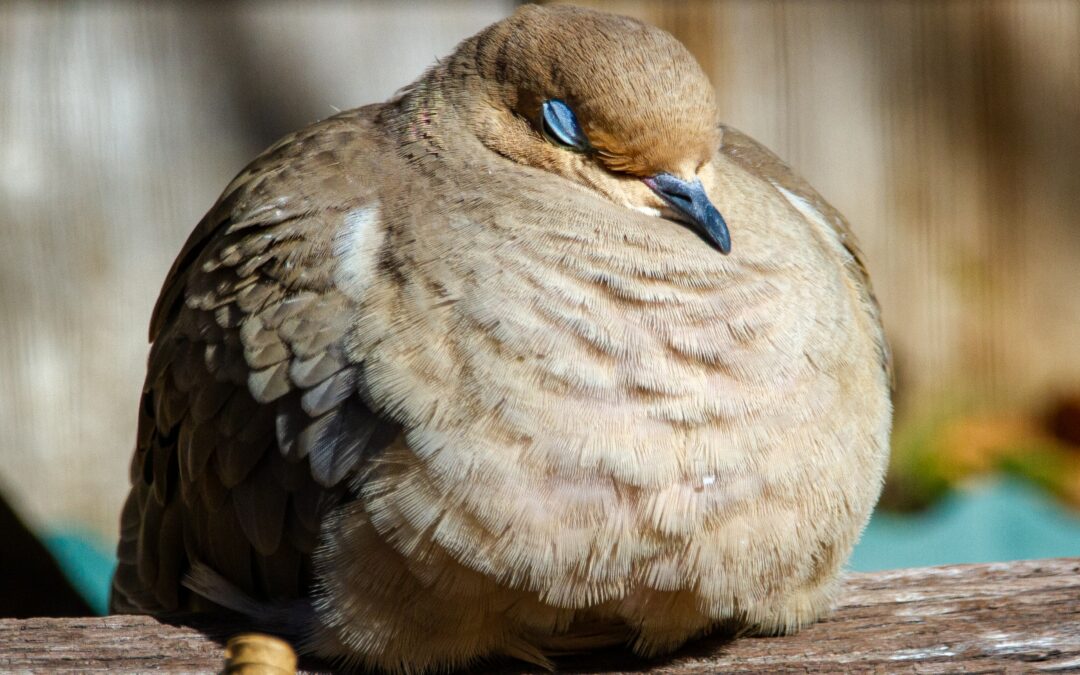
(536, 357)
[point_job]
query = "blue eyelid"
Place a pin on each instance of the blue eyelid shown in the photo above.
(561, 124)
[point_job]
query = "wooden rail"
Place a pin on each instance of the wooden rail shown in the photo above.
(1003, 617)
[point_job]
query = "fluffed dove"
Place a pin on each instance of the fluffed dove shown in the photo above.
(472, 372)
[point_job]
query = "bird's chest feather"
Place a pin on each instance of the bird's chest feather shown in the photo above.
(600, 402)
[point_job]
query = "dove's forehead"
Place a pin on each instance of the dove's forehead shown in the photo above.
(586, 52)
(625, 79)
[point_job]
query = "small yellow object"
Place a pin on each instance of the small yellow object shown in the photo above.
(257, 654)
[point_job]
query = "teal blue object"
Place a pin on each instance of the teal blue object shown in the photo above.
(998, 520)
(86, 563)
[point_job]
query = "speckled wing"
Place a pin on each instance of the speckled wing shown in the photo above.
(758, 160)
(252, 415)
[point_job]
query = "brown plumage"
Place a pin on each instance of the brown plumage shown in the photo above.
(427, 385)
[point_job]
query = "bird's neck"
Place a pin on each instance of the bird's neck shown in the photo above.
(428, 125)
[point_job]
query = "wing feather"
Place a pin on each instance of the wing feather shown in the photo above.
(252, 417)
(260, 502)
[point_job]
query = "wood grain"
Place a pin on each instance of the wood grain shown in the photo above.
(1011, 617)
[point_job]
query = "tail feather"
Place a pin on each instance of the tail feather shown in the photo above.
(291, 618)
(585, 637)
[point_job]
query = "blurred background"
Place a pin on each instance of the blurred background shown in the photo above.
(948, 133)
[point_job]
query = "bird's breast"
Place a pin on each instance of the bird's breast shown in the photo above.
(606, 398)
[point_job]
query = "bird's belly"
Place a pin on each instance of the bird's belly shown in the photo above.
(501, 533)
(594, 527)
(615, 504)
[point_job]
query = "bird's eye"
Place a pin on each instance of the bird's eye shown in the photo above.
(561, 126)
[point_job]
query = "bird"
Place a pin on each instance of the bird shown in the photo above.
(535, 358)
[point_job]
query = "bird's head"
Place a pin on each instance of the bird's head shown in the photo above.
(610, 103)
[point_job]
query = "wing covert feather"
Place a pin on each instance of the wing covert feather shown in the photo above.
(251, 417)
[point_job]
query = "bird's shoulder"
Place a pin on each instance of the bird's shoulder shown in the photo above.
(294, 191)
(759, 161)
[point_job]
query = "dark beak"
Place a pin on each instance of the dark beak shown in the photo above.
(690, 200)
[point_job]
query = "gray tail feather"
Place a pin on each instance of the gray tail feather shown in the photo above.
(293, 618)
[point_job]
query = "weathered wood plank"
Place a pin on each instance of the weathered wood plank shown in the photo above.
(1020, 616)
